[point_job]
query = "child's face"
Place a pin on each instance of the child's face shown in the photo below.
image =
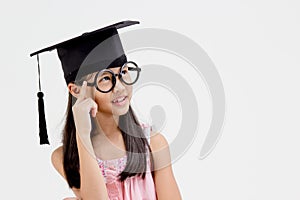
(113, 102)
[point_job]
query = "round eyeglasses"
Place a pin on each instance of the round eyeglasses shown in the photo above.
(105, 80)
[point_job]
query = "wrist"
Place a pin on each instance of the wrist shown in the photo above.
(84, 142)
(83, 137)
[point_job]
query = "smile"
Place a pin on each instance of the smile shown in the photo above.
(120, 101)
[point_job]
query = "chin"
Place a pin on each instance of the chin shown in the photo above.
(118, 111)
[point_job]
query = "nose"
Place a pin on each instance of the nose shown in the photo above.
(119, 87)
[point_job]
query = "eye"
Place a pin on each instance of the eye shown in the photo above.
(125, 71)
(105, 78)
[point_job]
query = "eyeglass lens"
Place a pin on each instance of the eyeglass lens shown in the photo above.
(129, 74)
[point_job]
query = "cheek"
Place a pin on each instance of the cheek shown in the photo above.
(129, 90)
(103, 101)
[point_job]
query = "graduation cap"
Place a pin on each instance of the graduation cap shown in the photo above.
(79, 56)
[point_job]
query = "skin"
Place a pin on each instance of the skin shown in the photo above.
(110, 140)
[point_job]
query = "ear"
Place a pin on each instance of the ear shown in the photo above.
(74, 89)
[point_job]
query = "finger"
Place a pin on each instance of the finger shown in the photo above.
(94, 111)
(90, 105)
(82, 92)
(94, 108)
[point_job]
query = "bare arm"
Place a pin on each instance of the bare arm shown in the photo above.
(165, 183)
(92, 182)
(92, 185)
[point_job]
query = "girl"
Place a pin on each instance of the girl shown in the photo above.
(107, 153)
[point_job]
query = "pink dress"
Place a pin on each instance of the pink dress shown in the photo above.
(133, 188)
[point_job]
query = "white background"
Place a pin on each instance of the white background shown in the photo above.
(255, 47)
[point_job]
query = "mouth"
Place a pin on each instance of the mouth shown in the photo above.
(120, 100)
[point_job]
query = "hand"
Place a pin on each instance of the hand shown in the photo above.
(81, 111)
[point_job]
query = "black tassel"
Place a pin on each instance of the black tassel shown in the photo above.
(42, 120)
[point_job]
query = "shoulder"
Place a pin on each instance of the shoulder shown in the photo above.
(57, 160)
(57, 155)
(158, 141)
(160, 151)
(165, 182)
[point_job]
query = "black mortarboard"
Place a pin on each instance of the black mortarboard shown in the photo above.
(82, 55)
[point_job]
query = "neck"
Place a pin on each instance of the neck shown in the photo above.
(108, 125)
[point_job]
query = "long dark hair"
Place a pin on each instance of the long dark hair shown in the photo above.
(136, 147)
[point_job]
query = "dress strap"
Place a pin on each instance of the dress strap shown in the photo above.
(147, 130)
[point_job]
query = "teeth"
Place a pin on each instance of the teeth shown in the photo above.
(119, 100)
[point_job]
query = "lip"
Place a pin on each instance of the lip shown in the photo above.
(118, 98)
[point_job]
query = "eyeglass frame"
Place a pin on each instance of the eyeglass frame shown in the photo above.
(114, 75)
